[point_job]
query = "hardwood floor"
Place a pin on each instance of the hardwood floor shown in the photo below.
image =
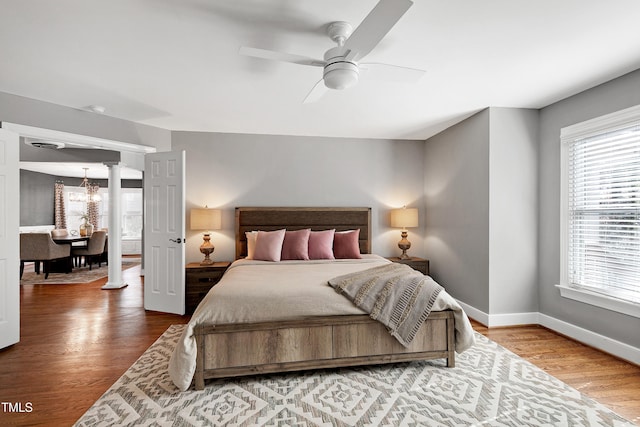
(611, 381)
(77, 340)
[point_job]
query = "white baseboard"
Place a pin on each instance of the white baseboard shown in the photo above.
(474, 313)
(493, 320)
(601, 342)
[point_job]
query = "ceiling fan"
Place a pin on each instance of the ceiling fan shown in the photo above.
(341, 65)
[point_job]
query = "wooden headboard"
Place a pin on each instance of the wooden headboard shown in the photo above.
(296, 218)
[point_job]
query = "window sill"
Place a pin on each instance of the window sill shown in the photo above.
(600, 300)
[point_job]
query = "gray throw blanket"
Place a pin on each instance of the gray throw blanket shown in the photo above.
(394, 294)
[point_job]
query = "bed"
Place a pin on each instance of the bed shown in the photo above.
(265, 317)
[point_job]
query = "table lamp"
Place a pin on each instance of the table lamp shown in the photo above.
(206, 219)
(404, 218)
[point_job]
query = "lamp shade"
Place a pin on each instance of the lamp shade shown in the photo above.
(206, 219)
(404, 217)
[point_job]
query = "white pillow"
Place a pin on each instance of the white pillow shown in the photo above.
(251, 243)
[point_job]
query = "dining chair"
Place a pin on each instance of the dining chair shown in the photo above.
(39, 247)
(92, 251)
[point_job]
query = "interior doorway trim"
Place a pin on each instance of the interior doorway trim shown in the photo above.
(76, 139)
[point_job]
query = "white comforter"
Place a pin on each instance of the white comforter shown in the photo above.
(256, 291)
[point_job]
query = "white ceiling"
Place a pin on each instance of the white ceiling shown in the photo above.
(76, 169)
(175, 64)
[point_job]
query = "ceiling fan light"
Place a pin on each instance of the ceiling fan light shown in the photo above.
(340, 75)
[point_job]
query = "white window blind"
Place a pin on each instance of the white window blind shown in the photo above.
(603, 206)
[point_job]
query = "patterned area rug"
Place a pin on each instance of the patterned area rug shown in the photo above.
(490, 386)
(78, 275)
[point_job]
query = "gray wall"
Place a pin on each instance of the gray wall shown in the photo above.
(229, 170)
(37, 194)
(45, 155)
(481, 202)
(513, 215)
(615, 95)
(481, 193)
(456, 177)
(36, 198)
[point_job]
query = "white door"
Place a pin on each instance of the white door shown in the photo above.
(9, 239)
(164, 231)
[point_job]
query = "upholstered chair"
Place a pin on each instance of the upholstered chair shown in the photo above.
(94, 249)
(38, 247)
(105, 255)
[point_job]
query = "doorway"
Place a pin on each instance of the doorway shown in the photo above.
(133, 153)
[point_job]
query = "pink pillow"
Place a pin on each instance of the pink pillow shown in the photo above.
(269, 245)
(346, 245)
(296, 244)
(321, 244)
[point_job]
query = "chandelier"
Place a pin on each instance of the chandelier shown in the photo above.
(88, 191)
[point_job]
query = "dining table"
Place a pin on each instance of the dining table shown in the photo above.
(69, 239)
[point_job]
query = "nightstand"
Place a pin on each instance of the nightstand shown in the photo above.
(419, 264)
(199, 280)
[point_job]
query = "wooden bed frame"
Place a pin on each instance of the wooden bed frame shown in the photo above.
(314, 342)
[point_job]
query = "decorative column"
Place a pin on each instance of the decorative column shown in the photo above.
(115, 228)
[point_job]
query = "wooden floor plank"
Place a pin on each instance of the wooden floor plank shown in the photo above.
(77, 340)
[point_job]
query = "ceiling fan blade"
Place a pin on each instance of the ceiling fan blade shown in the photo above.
(316, 93)
(280, 56)
(374, 27)
(393, 73)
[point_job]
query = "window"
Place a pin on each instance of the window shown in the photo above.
(131, 203)
(601, 209)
